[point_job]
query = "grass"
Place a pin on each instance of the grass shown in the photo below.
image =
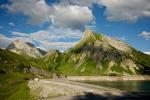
(88, 68)
(10, 62)
(13, 86)
(141, 58)
(13, 81)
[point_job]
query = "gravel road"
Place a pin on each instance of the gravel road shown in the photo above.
(54, 88)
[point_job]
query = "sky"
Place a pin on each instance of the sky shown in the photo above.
(59, 24)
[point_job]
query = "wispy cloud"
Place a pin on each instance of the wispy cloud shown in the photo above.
(145, 35)
(62, 46)
(19, 34)
(121, 38)
(4, 41)
(12, 24)
(52, 38)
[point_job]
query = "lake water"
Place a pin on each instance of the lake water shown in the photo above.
(132, 86)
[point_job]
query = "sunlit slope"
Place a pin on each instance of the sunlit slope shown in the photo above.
(97, 54)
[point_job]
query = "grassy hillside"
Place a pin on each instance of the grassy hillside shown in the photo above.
(11, 62)
(50, 62)
(142, 58)
(13, 82)
(13, 86)
(97, 54)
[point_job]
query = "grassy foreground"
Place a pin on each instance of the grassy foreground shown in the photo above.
(13, 86)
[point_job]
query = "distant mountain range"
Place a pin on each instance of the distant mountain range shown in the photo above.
(95, 54)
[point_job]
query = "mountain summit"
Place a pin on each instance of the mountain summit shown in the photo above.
(25, 48)
(97, 54)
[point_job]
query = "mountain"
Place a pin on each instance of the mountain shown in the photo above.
(97, 54)
(50, 61)
(25, 48)
(15, 72)
(10, 61)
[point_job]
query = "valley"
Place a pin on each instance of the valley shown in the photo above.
(95, 57)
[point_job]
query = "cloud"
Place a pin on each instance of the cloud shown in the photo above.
(120, 10)
(55, 34)
(72, 16)
(12, 24)
(147, 53)
(52, 38)
(60, 14)
(87, 3)
(121, 38)
(4, 41)
(145, 35)
(20, 34)
(62, 46)
(125, 10)
(37, 10)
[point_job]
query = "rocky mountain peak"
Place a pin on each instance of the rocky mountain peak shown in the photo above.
(27, 48)
(88, 33)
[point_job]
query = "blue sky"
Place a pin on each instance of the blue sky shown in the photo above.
(59, 24)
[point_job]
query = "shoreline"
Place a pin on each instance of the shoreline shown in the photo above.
(110, 78)
(69, 90)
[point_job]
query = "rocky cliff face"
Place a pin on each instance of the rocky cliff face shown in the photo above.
(25, 48)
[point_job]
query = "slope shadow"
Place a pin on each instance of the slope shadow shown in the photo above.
(108, 96)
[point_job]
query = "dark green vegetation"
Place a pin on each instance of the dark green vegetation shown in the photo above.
(142, 59)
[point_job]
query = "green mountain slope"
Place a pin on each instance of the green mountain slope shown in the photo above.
(13, 81)
(51, 61)
(97, 54)
(10, 62)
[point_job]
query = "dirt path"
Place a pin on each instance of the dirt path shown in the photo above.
(109, 78)
(53, 88)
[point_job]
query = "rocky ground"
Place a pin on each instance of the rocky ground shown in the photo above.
(53, 88)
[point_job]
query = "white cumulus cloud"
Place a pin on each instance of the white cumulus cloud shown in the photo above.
(125, 10)
(37, 10)
(72, 16)
(61, 15)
